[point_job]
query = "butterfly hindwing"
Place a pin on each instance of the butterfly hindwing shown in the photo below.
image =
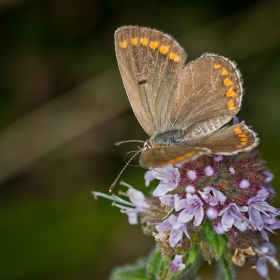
(229, 140)
(209, 95)
(226, 141)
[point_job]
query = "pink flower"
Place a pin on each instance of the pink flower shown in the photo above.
(169, 177)
(176, 264)
(231, 215)
(192, 207)
(176, 228)
(212, 196)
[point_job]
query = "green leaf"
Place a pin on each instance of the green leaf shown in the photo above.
(225, 271)
(216, 241)
(156, 266)
(192, 256)
(130, 272)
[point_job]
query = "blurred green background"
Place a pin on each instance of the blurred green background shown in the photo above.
(63, 105)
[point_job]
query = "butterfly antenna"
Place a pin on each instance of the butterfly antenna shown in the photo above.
(128, 141)
(113, 185)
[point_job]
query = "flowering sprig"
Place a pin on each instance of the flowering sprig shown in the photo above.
(216, 206)
(265, 253)
(136, 206)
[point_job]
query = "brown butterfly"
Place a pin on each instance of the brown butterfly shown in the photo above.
(183, 108)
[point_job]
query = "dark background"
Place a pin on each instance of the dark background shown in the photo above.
(63, 105)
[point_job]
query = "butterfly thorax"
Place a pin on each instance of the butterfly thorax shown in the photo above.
(168, 137)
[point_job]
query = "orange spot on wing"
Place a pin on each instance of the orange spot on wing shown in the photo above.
(144, 41)
(237, 130)
(123, 44)
(171, 161)
(217, 66)
(173, 56)
(180, 158)
(230, 105)
(164, 49)
(154, 45)
(189, 154)
(242, 135)
(231, 93)
(227, 82)
(152, 163)
(224, 71)
(134, 41)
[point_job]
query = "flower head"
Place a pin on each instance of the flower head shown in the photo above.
(212, 198)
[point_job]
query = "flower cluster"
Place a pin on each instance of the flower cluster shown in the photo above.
(233, 193)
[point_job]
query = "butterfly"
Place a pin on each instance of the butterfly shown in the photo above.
(182, 107)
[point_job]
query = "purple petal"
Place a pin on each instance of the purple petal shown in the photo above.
(162, 189)
(255, 218)
(137, 198)
(264, 235)
(240, 225)
(167, 200)
(148, 177)
(132, 217)
(235, 120)
(175, 237)
(269, 177)
(181, 204)
(184, 216)
(219, 228)
(227, 221)
(198, 217)
(186, 231)
(164, 226)
(261, 268)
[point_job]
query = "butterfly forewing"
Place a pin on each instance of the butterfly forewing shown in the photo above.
(163, 155)
(149, 62)
(209, 94)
